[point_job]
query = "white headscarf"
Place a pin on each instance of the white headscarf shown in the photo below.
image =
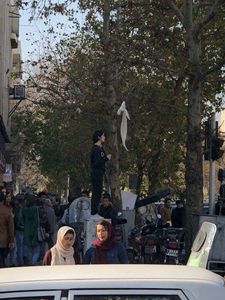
(60, 255)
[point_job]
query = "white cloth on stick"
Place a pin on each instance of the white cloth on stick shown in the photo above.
(123, 127)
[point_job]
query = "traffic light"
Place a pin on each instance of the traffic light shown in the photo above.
(221, 175)
(207, 144)
(216, 151)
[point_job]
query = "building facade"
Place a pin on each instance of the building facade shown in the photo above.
(10, 73)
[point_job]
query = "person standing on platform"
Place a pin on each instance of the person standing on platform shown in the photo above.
(98, 159)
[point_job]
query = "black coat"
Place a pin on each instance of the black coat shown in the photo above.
(108, 212)
(98, 158)
(178, 217)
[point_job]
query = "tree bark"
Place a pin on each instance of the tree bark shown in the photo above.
(110, 70)
(193, 175)
(194, 172)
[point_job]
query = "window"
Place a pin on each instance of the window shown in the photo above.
(32, 298)
(128, 297)
(32, 295)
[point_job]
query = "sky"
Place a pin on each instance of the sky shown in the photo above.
(31, 31)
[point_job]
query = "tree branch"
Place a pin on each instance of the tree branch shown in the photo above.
(218, 66)
(207, 17)
(176, 10)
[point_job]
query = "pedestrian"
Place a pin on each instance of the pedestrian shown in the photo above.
(8, 202)
(56, 204)
(51, 218)
(107, 209)
(178, 215)
(43, 222)
(19, 228)
(165, 212)
(98, 159)
(6, 230)
(31, 223)
(62, 253)
(104, 249)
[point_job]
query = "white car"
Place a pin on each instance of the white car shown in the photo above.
(111, 282)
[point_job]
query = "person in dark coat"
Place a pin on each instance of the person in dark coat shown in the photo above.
(98, 159)
(6, 230)
(51, 217)
(31, 223)
(104, 249)
(107, 210)
(178, 216)
(19, 227)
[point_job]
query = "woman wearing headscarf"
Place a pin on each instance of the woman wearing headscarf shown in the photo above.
(104, 249)
(62, 253)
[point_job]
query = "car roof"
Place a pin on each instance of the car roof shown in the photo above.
(161, 273)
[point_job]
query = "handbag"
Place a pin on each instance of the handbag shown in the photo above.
(42, 234)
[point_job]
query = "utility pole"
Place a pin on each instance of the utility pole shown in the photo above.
(212, 169)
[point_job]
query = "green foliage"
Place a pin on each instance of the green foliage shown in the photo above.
(147, 46)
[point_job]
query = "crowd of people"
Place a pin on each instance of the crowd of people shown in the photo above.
(22, 243)
(163, 214)
(37, 229)
(22, 216)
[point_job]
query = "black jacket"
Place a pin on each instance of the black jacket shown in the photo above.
(178, 217)
(108, 212)
(98, 158)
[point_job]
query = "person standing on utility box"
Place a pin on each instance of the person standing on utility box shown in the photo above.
(98, 159)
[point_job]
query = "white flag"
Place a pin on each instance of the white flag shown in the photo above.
(123, 128)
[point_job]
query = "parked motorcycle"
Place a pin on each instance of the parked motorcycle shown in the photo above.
(150, 244)
(144, 244)
(173, 247)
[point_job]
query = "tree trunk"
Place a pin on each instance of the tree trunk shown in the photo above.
(140, 173)
(193, 175)
(111, 104)
(153, 172)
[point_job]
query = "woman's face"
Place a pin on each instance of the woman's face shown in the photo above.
(102, 138)
(68, 240)
(102, 233)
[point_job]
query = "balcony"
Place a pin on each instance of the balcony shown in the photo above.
(14, 14)
(14, 40)
(16, 60)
